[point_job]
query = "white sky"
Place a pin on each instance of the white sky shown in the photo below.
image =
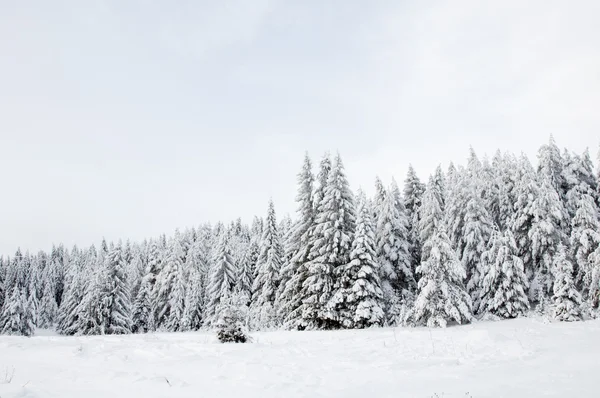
(127, 119)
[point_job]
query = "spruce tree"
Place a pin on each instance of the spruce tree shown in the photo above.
(116, 302)
(567, 300)
(357, 298)
(393, 254)
(192, 315)
(17, 315)
(584, 239)
(503, 283)
(546, 234)
(166, 281)
(222, 278)
(177, 301)
(476, 233)
(48, 309)
(439, 186)
(413, 193)
(526, 190)
(550, 166)
(295, 272)
(143, 318)
(334, 229)
(268, 266)
(442, 296)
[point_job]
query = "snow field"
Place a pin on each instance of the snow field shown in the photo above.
(515, 358)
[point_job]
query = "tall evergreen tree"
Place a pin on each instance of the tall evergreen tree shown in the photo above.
(164, 292)
(357, 299)
(334, 229)
(546, 234)
(442, 296)
(567, 300)
(17, 315)
(503, 283)
(295, 272)
(413, 193)
(393, 253)
(192, 315)
(584, 239)
(550, 166)
(477, 229)
(143, 318)
(222, 278)
(268, 267)
(116, 302)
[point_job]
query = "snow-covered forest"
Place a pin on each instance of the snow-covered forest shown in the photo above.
(493, 238)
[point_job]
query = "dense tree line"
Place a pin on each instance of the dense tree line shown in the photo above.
(495, 238)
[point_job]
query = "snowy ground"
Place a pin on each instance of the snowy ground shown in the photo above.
(518, 358)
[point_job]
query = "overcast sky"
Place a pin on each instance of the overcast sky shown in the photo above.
(127, 119)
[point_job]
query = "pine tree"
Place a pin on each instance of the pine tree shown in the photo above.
(584, 239)
(357, 297)
(441, 297)
(166, 281)
(177, 301)
(142, 319)
(393, 253)
(48, 307)
(192, 315)
(413, 193)
(439, 186)
(295, 272)
(431, 217)
(503, 282)
(335, 223)
(546, 234)
(17, 315)
(90, 314)
(268, 266)
(222, 278)
(116, 302)
(230, 321)
(460, 192)
(550, 166)
(526, 191)
(476, 233)
(567, 300)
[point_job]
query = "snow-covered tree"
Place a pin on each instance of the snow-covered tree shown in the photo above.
(116, 302)
(222, 278)
(295, 271)
(413, 193)
(503, 283)
(393, 253)
(550, 166)
(431, 217)
(584, 239)
(545, 235)
(48, 310)
(438, 185)
(143, 318)
(442, 297)
(357, 299)
(477, 229)
(334, 229)
(268, 268)
(192, 315)
(177, 301)
(230, 322)
(567, 300)
(17, 315)
(164, 292)
(526, 190)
